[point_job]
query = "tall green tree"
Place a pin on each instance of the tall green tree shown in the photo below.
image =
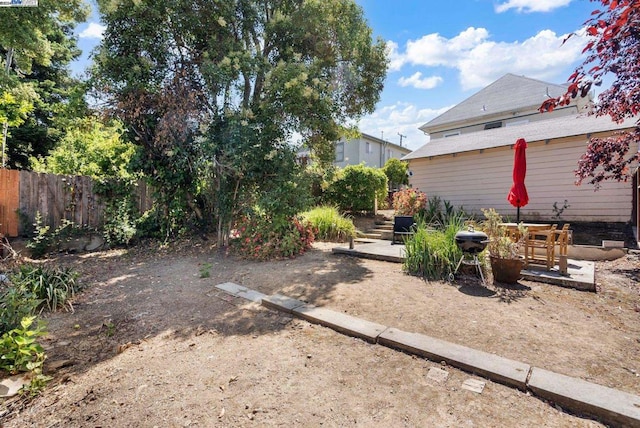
(213, 90)
(36, 46)
(397, 172)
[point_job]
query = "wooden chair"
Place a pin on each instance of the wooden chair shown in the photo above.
(540, 247)
(562, 240)
(403, 225)
(561, 247)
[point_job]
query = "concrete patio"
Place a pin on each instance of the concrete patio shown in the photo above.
(580, 275)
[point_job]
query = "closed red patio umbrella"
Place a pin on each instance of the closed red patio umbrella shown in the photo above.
(518, 196)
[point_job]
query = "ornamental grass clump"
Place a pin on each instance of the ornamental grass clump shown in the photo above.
(329, 224)
(54, 286)
(432, 253)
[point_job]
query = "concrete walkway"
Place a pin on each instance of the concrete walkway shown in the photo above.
(606, 404)
(580, 273)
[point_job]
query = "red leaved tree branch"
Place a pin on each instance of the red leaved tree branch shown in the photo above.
(613, 49)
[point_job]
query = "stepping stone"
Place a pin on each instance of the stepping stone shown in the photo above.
(281, 303)
(11, 385)
(231, 288)
(253, 295)
(437, 375)
(474, 385)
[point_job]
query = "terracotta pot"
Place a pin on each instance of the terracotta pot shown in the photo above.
(506, 271)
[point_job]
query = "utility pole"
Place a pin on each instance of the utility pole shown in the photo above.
(401, 137)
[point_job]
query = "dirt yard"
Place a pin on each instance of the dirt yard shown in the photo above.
(152, 342)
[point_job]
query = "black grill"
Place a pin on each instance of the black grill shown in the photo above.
(470, 241)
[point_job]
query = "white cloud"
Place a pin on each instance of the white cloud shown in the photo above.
(480, 60)
(396, 61)
(400, 118)
(93, 31)
(417, 81)
(434, 50)
(531, 5)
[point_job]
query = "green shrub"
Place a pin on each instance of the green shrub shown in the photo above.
(259, 237)
(53, 286)
(439, 211)
(16, 303)
(120, 224)
(44, 240)
(40, 242)
(357, 187)
(432, 253)
(409, 202)
(329, 224)
(19, 351)
(396, 172)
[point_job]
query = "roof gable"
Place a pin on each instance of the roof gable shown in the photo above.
(510, 93)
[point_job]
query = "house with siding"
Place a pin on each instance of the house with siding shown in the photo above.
(367, 149)
(469, 158)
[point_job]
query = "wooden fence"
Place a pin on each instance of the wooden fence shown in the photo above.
(56, 198)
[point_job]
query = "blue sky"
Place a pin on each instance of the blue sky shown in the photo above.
(444, 51)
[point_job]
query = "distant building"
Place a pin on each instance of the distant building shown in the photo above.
(371, 151)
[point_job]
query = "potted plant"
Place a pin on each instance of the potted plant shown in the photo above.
(504, 251)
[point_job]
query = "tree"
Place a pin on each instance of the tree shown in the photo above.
(397, 172)
(613, 49)
(212, 91)
(57, 101)
(35, 51)
(91, 148)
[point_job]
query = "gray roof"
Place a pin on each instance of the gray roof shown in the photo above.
(565, 126)
(507, 94)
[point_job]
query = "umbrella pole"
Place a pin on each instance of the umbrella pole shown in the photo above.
(518, 215)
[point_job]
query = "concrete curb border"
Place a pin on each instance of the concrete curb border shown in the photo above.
(606, 404)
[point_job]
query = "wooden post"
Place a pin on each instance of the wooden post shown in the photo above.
(562, 264)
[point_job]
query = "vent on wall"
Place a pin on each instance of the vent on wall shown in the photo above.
(493, 125)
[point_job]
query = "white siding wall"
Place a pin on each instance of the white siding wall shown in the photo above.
(477, 180)
(370, 159)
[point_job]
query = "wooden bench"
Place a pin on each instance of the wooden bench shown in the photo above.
(403, 226)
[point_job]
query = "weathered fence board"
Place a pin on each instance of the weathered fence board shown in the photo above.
(56, 198)
(9, 200)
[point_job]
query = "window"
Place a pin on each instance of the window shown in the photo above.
(493, 125)
(451, 134)
(340, 152)
(369, 148)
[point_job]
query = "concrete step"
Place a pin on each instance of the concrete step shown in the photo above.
(372, 235)
(384, 226)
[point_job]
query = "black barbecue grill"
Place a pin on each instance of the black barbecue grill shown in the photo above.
(471, 243)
